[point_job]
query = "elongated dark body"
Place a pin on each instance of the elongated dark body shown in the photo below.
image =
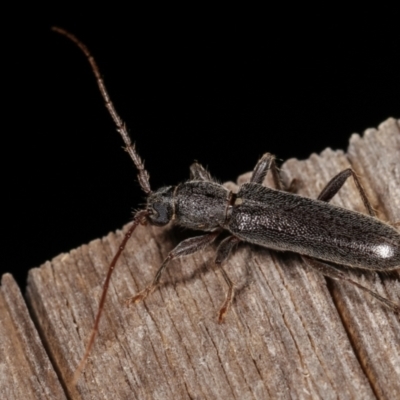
(284, 221)
(281, 221)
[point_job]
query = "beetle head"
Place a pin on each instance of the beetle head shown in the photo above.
(160, 206)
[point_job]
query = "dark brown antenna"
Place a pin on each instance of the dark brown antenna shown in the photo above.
(143, 175)
(138, 218)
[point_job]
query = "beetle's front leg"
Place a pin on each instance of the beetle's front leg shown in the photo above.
(198, 172)
(184, 248)
(223, 252)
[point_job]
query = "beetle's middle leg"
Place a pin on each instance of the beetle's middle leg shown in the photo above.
(223, 252)
(184, 248)
(395, 224)
(267, 163)
(264, 164)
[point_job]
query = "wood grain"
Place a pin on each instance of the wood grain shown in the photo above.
(291, 333)
(25, 369)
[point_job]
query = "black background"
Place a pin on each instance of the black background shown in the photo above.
(220, 89)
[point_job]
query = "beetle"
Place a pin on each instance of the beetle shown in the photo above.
(326, 236)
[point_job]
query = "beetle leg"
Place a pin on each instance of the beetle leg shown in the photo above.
(264, 164)
(395, 224)
(198, 172)
(335, 184)
(184, 248)
(223, 252)
(293, 186)
(331, 272)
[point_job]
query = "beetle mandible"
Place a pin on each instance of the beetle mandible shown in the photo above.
(272, 218)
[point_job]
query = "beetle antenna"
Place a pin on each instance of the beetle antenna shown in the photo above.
(137, 219)
(143, 175)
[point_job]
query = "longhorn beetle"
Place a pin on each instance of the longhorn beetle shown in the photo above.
(272, 218)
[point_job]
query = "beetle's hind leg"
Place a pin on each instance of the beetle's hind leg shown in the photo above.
(336, 183)
(332, 188)
(223, 252)
(331, 272)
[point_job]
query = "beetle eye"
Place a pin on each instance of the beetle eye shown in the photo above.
(161, 213)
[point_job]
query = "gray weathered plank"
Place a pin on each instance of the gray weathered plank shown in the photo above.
(288, 335)
(25, 369)
(373, 330)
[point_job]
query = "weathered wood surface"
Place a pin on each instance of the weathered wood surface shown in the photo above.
(289, 334)
(25, 369)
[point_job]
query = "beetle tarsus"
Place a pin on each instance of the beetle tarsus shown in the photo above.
(227, 304)
(140, 296)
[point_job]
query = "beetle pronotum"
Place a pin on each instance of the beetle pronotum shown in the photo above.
(273, 218)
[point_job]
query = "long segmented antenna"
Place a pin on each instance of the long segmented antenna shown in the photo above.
(143, 175)
(137, 219)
